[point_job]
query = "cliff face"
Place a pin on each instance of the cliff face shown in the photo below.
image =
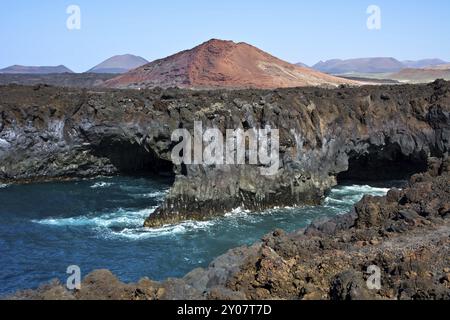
(325, 135)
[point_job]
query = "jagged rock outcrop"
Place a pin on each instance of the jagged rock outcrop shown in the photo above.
(405, 236)
(367, 132)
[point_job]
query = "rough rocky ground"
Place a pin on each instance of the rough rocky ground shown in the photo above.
(406, 234)
(325, 135)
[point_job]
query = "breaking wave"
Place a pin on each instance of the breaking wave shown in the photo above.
(345, 196)
(101, 185)
(124, 224)
(156, 194)
(118, 218)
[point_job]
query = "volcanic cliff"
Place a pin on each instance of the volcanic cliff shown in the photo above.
(223, 64)
(378, 132)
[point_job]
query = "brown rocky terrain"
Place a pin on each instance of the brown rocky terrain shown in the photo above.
(405, 234)
(223, 64)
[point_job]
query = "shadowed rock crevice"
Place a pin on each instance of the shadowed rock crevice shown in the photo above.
(131, 158)
(383, 163)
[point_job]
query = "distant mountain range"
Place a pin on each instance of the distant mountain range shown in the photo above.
(17, 69)
(361, 65)
(425, 63)
(114, 65)
(223, 64)
(218, 63)
(372, 65)
(119, 64)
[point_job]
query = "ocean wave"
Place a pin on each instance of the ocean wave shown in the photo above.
(156, 194)
(168, 230)
(329, 201)
(238, 212)
(119, 218)
(101, 185)
(2, 186)
(125, 224)
(366, 189)
(342, 198)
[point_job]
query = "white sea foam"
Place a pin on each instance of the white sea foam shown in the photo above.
(355, 192)
(2, 186)
(168, 230)
(125, 224)
(330, 200)
(156, 194)
(366, 189)
(101, 185)
(238, 212)
(118, 218)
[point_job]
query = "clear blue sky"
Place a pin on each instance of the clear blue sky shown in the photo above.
(35, 33)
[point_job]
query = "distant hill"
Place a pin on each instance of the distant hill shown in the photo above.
(441, 67)
(421, 75)
(301, 64)
(223, 64)
(77, 80)
(379, 65)
(423, 63)
(119, 64)
(362, 65)
(17, 69)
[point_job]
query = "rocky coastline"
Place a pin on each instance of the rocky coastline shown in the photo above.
(379, 132)
(326, 135)
(405, 234)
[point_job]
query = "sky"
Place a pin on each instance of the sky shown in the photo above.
(36, 33)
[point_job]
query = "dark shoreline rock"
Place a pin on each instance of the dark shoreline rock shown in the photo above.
(53, 133)
(406, 234)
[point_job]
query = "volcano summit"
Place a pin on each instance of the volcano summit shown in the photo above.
(223, 64)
